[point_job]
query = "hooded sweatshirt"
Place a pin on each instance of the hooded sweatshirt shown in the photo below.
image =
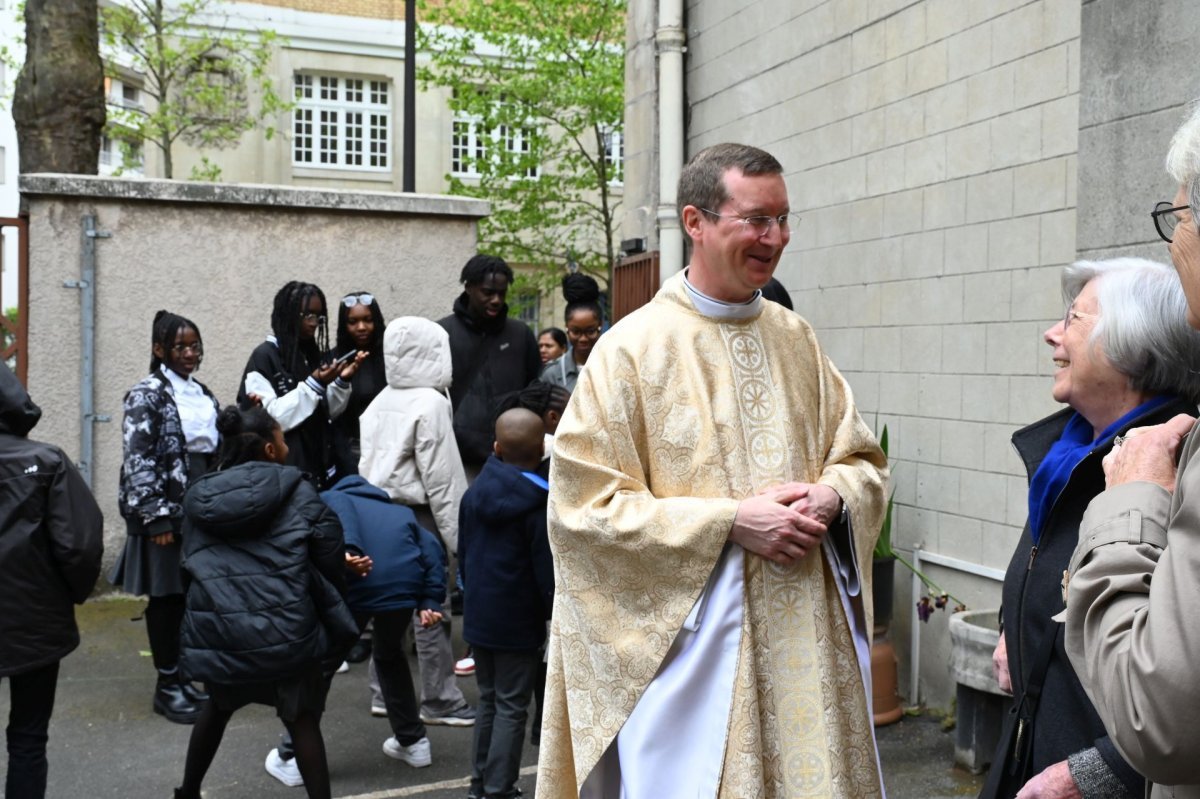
(51, 539)
(409, 571)
(408, 445)
(491, 358)
(261, 554)
(505, 558)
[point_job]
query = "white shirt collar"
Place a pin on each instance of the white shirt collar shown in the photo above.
(720, 309)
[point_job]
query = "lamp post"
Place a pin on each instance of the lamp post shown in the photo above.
(410, 95)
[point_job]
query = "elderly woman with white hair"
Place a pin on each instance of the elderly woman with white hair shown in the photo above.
(1133, 596)
(1125, 358)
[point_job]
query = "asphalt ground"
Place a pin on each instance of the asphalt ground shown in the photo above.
(106, 742)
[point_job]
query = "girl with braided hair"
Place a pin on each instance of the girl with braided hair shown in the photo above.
(303, 392)
(170, 437)
(584, 320)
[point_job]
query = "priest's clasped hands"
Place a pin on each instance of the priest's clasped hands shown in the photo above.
(785, 522)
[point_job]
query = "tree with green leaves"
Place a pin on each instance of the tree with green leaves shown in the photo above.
(198, 73)
(538, 97)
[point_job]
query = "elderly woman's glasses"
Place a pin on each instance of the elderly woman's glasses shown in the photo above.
(1165, 220)
(1073, 315)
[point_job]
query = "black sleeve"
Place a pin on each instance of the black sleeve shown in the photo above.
(76, 528)
(533, 358)
(326, 546)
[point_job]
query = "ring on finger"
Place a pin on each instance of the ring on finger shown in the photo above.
(1118, 441)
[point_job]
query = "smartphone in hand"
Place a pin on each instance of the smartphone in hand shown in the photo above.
(342, 360)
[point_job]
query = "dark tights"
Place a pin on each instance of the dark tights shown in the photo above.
(164, 617)
(206, 739)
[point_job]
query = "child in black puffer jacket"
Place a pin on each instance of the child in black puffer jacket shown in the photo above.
(263, 559)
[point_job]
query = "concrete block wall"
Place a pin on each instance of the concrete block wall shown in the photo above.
(930, 146)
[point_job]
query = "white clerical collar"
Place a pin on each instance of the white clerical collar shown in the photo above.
(720, 309)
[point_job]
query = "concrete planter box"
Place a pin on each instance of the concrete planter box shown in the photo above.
(980, 704)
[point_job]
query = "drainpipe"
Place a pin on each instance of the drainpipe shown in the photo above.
(669, 40)
(87, 369)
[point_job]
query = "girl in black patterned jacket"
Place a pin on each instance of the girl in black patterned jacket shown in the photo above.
(170, 436)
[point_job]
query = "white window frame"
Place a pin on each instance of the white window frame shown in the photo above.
(123, 95)
(614, 153)
(342, 122)
(467, 126)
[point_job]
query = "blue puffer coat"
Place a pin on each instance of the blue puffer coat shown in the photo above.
(408, 563)
(261, 554)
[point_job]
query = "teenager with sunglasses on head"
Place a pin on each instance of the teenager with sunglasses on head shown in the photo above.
(170, 435)
(302, 388)
(359, 328)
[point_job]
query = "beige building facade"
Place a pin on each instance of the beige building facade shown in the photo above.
(948, 158)
(342, 64)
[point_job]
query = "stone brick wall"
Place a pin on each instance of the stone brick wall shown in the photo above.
(930, 146)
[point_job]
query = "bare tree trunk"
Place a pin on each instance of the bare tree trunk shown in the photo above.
(58, 105)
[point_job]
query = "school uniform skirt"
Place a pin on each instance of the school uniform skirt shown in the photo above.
(145, 568)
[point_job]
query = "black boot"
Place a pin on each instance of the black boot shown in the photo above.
(196, 696)
(170, 700)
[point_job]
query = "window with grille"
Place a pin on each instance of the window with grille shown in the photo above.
(614, 154)
(341, 123)
(469, 144)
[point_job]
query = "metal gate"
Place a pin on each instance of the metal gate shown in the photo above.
(14, 311)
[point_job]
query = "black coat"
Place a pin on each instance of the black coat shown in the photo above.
(260, 551)
(504, 556)
(1066, 721)
(51, 540)
(490, 360)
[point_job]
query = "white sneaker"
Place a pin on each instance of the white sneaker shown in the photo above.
(286, 771)
(378, 710)
(465, 667)
(416, 755)
(342, 669)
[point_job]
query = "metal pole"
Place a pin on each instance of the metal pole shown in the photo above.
(87, 360)
(410, 95)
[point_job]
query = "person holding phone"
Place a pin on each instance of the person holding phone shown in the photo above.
(301, 390)
(359, 329)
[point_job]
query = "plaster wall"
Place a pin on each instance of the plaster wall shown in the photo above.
(931, 149)
(216, 254)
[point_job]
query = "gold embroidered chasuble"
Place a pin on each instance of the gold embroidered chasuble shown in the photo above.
(676, 418)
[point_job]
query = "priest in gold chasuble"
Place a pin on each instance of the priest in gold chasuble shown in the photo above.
(714, 502)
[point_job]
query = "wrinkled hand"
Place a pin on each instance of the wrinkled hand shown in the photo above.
(163, 539)
(1000, 666)
(430, 618)
(766, 526)
(1149, 454)
(352, 367)
(1055, 782)
(359, 564)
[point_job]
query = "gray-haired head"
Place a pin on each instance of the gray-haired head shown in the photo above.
(1142, 329)
(1183, 158)
(702, 181)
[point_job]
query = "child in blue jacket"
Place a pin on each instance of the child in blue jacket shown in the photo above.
(407, 574)
(507, 568)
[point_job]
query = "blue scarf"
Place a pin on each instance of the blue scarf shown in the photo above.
(1072, 447)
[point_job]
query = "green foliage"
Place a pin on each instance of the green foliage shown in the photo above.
(552, 72)
(198, 75)
(937, 597)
